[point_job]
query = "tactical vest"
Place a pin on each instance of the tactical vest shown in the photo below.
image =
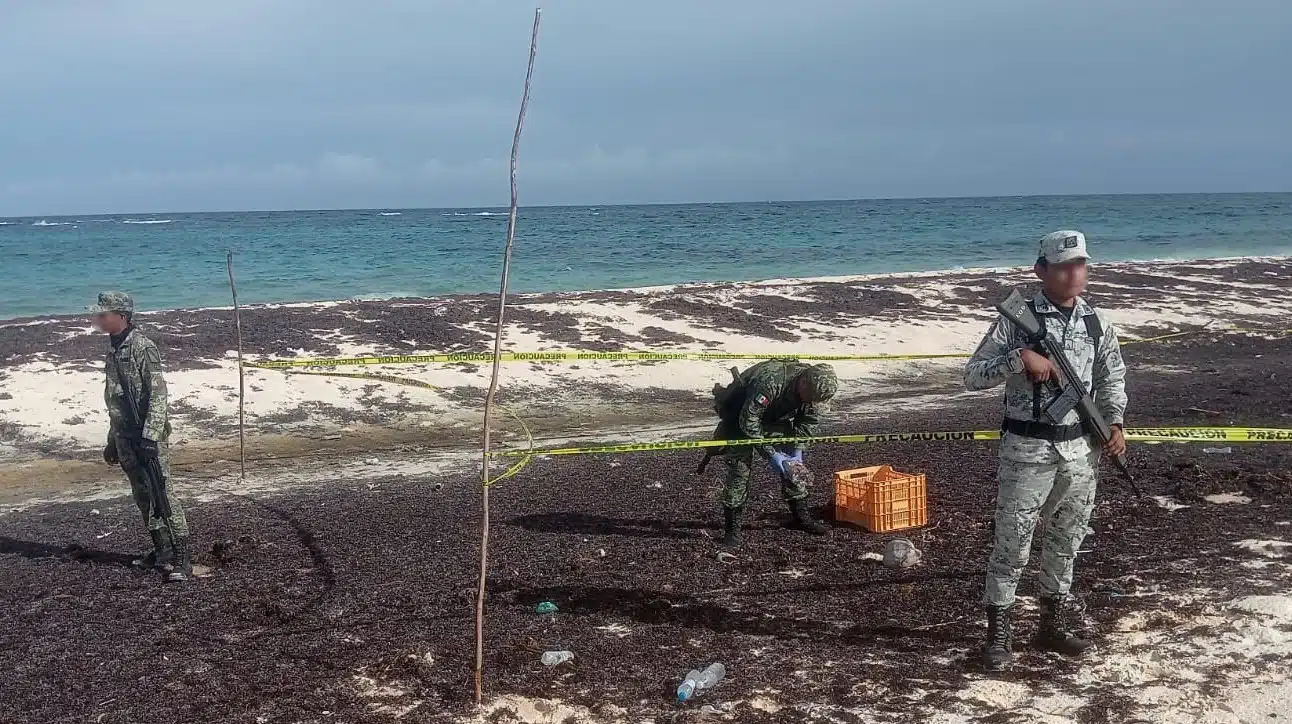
(1094, 329)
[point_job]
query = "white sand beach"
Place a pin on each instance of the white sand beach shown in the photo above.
(50, 402)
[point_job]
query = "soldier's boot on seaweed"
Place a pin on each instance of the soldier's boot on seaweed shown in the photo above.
(181, 566)
(159, 555)
(803, 519)
(1055, 630)
(998, 649)
(731, 537)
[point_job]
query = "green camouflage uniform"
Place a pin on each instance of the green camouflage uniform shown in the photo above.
(138, 362)
(771, 409)
(1040, 479)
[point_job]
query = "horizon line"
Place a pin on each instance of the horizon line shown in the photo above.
(651, 203)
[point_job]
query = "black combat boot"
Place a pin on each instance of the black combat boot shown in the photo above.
(804, 520)
(181, 567)
(998, 650)
(1055, 631)
(731, 532)
(159, 555)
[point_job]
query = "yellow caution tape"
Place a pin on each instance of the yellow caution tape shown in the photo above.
(697, 444)
(1209, 434)
(1158, 434)
(577, 356)
(630, 356)
(1146, 435)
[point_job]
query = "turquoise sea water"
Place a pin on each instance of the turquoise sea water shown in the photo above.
(56, 265)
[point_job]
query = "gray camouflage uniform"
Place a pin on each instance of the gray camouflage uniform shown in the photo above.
(135, 360)
(1054, 481)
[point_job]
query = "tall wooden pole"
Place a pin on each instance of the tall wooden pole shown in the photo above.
(242, 384)
(493, 379)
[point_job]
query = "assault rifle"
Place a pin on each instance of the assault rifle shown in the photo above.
(727, 400)
(1069, 390)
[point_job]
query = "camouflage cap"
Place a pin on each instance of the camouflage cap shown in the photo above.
(113, 302)
(1061, 247)
(822, 380)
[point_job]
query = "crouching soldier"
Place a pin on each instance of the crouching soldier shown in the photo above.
(1046, 469)
(776, 398)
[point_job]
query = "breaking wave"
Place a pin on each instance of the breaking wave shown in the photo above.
(148, 221)
(382, 297)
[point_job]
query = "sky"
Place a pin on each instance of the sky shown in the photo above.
(155, 105)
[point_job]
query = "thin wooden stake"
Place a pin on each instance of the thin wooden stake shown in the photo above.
(242, 386)
(493, 379)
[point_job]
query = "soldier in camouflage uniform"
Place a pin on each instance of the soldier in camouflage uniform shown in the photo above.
(776, 398)
(134, 360)
(1046, 470)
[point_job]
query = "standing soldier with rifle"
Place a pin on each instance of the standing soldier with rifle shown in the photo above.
(1053, 433)
(137, 438)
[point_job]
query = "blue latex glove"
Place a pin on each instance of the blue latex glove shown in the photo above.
(778, 462)
(797, 456)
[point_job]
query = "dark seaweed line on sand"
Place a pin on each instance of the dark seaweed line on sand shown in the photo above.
(196, 339)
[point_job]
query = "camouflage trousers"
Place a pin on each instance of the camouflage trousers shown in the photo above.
(740, 461)
(143, 498)
(1061, 494)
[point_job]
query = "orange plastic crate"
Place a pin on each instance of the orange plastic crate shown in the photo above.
(881, 499)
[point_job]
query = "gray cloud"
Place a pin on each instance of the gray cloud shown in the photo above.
(134, 105)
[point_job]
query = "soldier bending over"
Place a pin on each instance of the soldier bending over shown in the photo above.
(776, 398)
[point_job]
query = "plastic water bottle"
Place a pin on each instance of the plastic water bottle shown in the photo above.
(552, 658)
(698, 681)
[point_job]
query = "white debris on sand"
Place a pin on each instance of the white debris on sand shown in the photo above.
(385, 698)
(1228, 499)
(526, 710)
(618, 630)
(901, 553)
(1267, 548)
(996, 695)
(1168, 503)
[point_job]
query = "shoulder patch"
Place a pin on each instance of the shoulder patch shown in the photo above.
(764, 400)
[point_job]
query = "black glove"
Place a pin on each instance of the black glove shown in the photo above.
(148, 449)
(110, 454)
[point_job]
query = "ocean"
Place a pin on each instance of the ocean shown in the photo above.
(56, 265)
